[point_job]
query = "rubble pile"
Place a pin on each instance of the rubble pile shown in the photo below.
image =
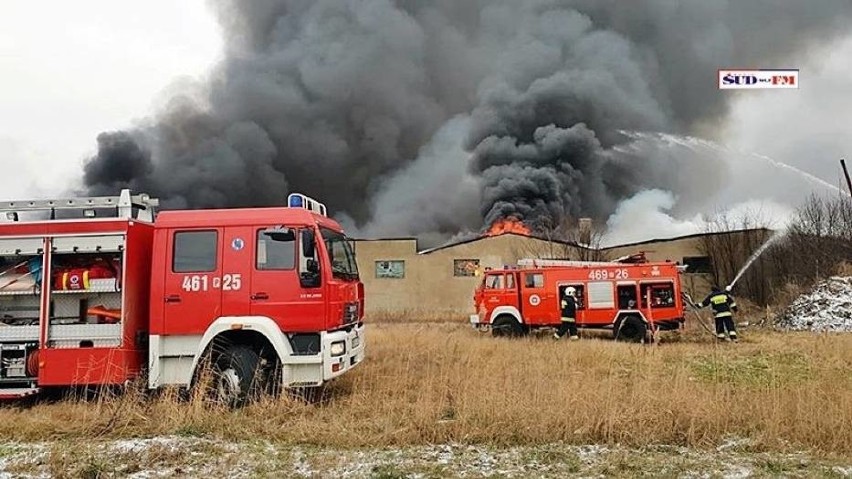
(827, 307)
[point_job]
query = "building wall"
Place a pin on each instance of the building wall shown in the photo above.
(696, 284)
(430, 290)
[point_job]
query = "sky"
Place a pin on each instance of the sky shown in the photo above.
(807, 129)
(97, 65)
(87, 67)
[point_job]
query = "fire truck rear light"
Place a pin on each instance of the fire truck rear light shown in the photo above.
(338, 348)
(335, 367)
(237, 326)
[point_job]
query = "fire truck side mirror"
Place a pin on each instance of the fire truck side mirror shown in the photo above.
(309, 277)
(308, 244)
(312, 266)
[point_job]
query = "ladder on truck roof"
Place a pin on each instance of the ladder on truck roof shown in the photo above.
(125, 206)
(548, 263)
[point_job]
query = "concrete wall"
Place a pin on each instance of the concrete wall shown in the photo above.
(697, 285)
(737, 244)
(430, 290)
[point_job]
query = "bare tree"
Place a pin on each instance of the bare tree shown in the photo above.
(566, 239)
(729, 242)
(818, 240)
(816, 243)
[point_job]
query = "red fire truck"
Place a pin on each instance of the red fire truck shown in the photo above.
(629, 299)
(96, 291)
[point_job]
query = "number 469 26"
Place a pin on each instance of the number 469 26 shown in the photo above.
(601, 274)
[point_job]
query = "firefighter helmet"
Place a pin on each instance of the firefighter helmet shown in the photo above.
(570, 291)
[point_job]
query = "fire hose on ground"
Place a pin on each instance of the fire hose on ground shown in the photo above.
(688, 299)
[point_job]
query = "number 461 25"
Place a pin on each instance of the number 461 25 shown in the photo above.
(228, 282)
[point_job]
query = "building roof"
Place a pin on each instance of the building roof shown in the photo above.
(478, 238)
(683, 237)
(400, 238)
(475, 238)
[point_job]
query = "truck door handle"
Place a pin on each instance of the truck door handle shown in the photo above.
(260, 296)
(173, 298)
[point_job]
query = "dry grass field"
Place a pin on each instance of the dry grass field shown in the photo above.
(442, 383)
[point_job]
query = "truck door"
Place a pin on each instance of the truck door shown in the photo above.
(237, 264)
(500, 290)
(192, 300)
(276, 289)
(538, 306)
(510, 292)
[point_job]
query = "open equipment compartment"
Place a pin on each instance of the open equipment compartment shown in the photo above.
(70, 317)
(20, 309)
(85, 291)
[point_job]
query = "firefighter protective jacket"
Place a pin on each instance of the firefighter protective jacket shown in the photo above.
(569, 308)
(723, 304)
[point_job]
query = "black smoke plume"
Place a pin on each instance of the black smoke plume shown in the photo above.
(431, 118)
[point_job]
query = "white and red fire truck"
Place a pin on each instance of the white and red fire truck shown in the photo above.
(631, 299)
(97, 291)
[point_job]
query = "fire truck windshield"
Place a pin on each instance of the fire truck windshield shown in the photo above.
(341, 254)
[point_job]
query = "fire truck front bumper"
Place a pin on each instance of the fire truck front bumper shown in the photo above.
(340, 351)
(478, 324)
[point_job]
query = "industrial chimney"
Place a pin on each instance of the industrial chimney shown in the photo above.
(584, 227)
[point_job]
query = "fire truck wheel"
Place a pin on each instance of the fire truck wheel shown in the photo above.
(237, 376)
(630, 329)
(505, 325)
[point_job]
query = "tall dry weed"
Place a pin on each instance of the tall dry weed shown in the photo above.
(426, 383)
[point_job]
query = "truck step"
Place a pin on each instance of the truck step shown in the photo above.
(16, 393)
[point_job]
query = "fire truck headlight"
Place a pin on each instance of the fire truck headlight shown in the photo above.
(338, 348)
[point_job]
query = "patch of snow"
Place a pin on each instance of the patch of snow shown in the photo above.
(827, 307)
(300, 465)
(445, 454)
(733, 443)
(136, 445)
(591, 452)
(843, 471)
(735, 471)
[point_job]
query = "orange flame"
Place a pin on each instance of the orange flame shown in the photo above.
(507, 225)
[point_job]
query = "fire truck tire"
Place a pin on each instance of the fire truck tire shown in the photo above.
(630, 329)
(506, 326)
(237, 376)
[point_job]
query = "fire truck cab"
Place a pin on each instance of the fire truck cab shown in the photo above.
(96, 291)
(629, 299)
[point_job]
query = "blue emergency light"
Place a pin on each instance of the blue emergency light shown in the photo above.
(298, 200)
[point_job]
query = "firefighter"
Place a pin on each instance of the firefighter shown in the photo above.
(724, 307)
(569, 315)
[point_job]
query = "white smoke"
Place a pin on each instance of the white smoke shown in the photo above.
(649, 215)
